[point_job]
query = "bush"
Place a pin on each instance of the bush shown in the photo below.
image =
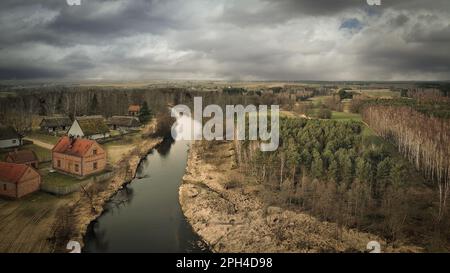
(324, 113)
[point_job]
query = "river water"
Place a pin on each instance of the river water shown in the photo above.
(145, 216)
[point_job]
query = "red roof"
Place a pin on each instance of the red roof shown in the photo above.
(12, 172)
(23, 156)
(73, 146)
(134, 108)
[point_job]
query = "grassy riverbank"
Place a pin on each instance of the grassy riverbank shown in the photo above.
(43, 222)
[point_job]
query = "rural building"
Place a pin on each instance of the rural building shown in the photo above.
(9, 137)
(26, 157)
(133, 110)
(55, 124)
(92, 127)
(124, 123)
(17, 180)
(78, 156)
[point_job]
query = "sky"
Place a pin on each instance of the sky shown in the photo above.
(293, 40)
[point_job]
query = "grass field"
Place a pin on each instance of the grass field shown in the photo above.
(117, 149)
(43, 137)
(345, 116)
(59, 180)
(42, 153)
(319, 99)
(377, 93)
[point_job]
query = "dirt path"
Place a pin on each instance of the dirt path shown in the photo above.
(40, 143)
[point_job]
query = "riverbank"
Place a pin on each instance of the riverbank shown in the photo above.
(43, 222)
(230, 212)
(91, 201)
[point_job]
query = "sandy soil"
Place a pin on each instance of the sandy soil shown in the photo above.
(238, 220)
(40, 143)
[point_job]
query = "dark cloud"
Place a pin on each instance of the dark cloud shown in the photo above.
(30, 72)
(252, 39)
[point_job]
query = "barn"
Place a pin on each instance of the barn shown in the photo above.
(92, 127)
(17, 180)
(124, 123)
(26, 157)
(55, 124)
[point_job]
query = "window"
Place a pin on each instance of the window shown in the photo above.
(59, 163)
(4, 187)
(94, 151)
(77, 168)
(95, 165)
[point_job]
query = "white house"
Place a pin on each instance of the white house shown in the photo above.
(9, 137)
(92, 127)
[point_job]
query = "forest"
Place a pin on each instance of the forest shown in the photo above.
(387, 174)
(421, 138)
(342, 172)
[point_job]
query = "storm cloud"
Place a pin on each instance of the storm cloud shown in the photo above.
(225, 39)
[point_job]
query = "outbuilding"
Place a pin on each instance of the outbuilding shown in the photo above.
(26, 157)
(17, 180)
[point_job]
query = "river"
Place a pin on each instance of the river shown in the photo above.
(145, 216)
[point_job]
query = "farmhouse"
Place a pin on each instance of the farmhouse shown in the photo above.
(9, 137)
(17, 180)
(124, 123)
(26, 157)
(55, 124)
(133, 110)
(92, 127)
(78, 156)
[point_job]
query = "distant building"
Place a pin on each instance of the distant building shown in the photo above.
(26, 157)
(124, 123)
(78, 156)
(9, 137)
(55, 124)
(92, 127)
(17, 180)
(133, 110)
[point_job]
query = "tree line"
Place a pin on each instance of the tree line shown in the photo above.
(424, 140)
(338, 172)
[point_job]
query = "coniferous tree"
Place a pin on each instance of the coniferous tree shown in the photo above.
(145, 114)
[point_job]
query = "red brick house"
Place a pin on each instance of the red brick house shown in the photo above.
(78, 156)
(133, 110)
(26, 157)
(17, 180)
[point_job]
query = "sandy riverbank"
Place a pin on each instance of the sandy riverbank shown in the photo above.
(237, 219)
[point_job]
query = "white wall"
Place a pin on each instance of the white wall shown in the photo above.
(99, 136)
(9, 143)
(75, 130)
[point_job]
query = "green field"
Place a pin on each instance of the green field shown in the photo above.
(377, 93)
(345, 116)
(42, 153)
(59, 180)
(43, 137)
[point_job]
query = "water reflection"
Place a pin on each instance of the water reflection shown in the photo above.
(145, 216)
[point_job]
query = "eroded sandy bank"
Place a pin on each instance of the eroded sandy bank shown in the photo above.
(236, 219)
